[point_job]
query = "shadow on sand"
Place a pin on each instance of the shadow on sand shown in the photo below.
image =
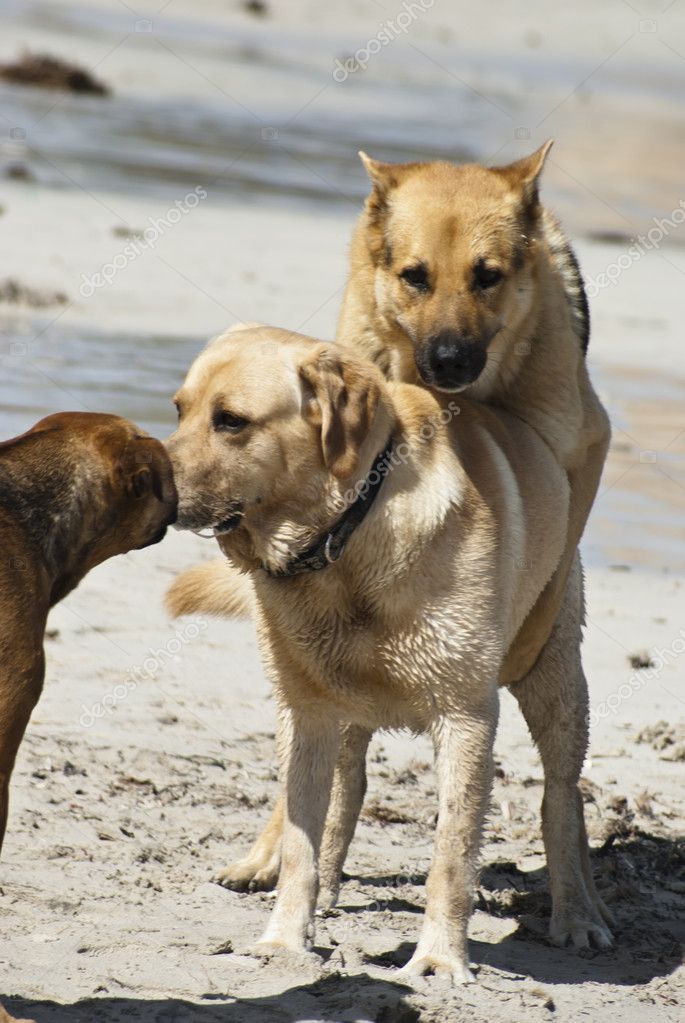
(639, 874)
(331, 998)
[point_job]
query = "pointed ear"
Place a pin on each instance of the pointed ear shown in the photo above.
(383, 176)
(524, 174)
(343, 402)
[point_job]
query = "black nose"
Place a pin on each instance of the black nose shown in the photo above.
(453, 361)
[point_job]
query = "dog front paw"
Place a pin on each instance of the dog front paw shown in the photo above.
(288, 956)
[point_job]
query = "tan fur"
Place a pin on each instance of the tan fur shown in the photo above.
(447, 216)
(6, 1018)
(534, 326)
(212, 588)
(409, 629)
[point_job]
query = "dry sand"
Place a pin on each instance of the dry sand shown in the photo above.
(118, 821)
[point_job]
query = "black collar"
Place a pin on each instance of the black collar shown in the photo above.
(329, 547)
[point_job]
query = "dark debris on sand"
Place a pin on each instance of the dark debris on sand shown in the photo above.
(258, 8)
(52, 73)
(14, 293)
(666, 738)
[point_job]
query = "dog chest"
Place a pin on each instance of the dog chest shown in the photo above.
(377, 669)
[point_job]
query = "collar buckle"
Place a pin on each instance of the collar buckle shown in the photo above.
(327, 550)
(324, 552)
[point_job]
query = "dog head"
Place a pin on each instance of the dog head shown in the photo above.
(270, 425)
(124, 495)
(453, 251)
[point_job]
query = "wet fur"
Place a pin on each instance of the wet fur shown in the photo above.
(409, 629)
(545, 385)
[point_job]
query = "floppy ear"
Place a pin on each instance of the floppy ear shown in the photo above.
(343, 404)
(140, 483)
(524, 174)
(149, 472)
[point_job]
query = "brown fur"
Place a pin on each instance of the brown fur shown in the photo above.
(75, 490)
(409, 628)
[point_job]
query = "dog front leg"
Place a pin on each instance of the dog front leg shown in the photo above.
(312, 745)
(347, 796)
(464, 764)
(19, 693)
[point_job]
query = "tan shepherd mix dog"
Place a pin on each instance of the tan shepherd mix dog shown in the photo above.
(461, 280)
(394, 549)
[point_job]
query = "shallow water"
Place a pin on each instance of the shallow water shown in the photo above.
(249, 109)
(638, 517)
(129, 375)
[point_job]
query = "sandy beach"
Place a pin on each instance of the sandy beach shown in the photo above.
(149, 762)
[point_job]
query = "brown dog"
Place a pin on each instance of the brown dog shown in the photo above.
(395, 541)
(75, 490)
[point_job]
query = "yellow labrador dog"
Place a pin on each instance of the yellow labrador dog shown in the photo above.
(395, 540)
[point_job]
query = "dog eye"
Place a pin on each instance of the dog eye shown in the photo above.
(178, 409)
(227, 422)
(416, 276)
(485, 277)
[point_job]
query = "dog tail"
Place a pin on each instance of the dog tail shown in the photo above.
(214, 588)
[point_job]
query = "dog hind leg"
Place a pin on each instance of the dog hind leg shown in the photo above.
(553, 698)
(347, 796)
(258, 870)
